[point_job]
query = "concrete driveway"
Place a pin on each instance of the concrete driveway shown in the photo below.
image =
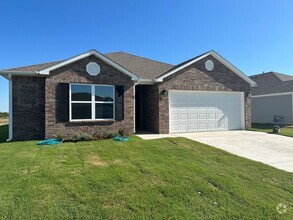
(274, 150)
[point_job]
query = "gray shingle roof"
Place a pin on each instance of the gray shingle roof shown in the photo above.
(272, 82)
(142, 67)
(181, 64)
(34, 68)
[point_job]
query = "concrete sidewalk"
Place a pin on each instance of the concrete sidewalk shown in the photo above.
(274, 150)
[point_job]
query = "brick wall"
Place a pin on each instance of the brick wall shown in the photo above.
(28, 94)
(196, 77)
(35, 99)
(76, 73)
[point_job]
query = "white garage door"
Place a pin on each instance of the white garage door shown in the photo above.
(205, 111)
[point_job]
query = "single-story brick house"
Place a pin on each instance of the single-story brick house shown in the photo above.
(272, 98)
(94, 92)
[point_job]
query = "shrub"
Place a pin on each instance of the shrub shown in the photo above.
(58, 136)
(105, 134)
(85, 137)
(110, 135)
(81, 137)
(121, 132)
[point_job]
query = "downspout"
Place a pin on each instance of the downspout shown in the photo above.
(134, 129)
(10, 110)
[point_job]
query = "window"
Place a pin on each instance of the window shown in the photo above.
(91, 102)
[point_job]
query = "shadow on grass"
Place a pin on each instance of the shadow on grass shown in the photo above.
(3, 133)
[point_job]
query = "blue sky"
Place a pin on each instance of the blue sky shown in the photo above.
(254, 35)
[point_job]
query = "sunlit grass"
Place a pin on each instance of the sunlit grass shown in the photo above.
(171, 178)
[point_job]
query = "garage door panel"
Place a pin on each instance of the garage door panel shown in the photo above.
(193, 127)
(202, 116)
(204, 111)
(202, 126)
(193, 116)
(183, 127)
(212, 126)
(173, 116)
(183, 117)
(212, 116)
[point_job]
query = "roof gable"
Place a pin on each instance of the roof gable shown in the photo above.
(138, 68)
(46, 71)
(196, 59)
(272, 83)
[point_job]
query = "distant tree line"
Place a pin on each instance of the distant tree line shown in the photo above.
(4, 114)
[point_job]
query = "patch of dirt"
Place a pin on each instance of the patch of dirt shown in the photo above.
(118, 162)
(96, 161)
(32, 169)
(156, 181)
(4, 121)
(75, 172)
(62, 161)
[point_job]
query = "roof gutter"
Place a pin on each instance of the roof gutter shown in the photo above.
(8, 74)
(134, 116)
(10, 110)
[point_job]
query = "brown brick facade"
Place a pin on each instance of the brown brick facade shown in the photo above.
(28, 95)
(35, 106)
(76, 73)
(196, 77)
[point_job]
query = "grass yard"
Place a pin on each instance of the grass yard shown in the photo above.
(3, 133)
(172, 178)
(268, 128)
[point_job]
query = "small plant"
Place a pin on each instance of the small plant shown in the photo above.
(105, 134)
(110, 135)
(121, 132)
(85, 137)
(81, 137)
(277, 119)
(58, 136)
(75, 137)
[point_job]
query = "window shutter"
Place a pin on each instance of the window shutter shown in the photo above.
(62, 109)
(119, 103)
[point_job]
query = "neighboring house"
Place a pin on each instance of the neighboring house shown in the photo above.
(272, 98)
(97, 93)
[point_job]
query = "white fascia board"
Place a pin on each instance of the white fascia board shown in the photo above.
(292, 106)
(146, 81)
(272, 94)
(161, 78)
(6, 74)
(10, 110)
(46, 71)
(233, 68)
(219, 58)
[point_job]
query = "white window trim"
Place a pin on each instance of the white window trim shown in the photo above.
(92, 102)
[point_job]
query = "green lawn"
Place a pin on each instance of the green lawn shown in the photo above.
(172, 178)
(268, 128)
(3, 133)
